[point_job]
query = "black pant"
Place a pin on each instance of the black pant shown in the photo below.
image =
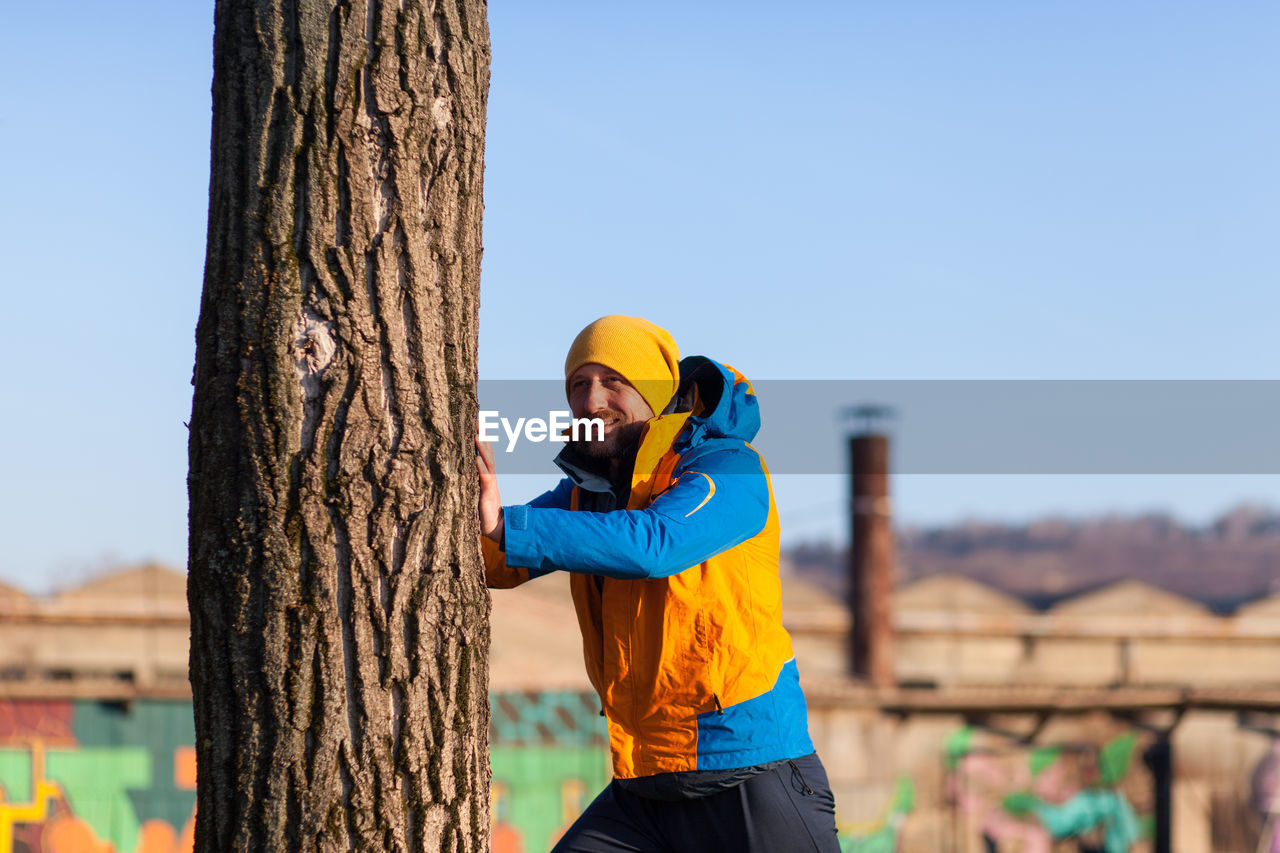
(788, 809)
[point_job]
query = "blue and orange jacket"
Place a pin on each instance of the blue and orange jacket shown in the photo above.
(678, 595)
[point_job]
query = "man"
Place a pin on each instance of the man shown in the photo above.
(668, 528)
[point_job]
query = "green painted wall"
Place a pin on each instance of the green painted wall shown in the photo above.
(15, 774)
(539, 789)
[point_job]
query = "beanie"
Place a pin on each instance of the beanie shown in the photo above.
(644, 354)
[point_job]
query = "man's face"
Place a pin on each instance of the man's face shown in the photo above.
(595, 391)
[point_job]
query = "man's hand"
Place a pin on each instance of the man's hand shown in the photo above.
(490, 500)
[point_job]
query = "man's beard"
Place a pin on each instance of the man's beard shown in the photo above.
(615, 443)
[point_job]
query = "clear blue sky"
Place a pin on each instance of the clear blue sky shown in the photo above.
(825, 190)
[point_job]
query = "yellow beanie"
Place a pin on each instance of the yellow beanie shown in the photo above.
(645, 355)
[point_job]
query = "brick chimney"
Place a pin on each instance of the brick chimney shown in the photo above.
(871, 551)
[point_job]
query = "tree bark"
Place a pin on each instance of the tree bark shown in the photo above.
(339, 620)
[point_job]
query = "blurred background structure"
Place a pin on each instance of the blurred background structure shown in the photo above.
(1122, 717)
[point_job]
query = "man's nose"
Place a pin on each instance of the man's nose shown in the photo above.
(597, 397)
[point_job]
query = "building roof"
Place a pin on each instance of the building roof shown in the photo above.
(1129, 597)
(949, 592)
(151, 580)
(142, 592)
(12, 598)
(1267, 607)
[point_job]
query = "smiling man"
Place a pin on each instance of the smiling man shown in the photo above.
(668, 528)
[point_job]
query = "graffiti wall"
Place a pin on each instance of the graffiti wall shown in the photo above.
(550, 757)
(95, 777)
(1096, 794)
(92, 777)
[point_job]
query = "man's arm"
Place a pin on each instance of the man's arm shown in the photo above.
(719, 501)
(498, 574)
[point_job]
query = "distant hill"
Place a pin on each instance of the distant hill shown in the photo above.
(1232, 560)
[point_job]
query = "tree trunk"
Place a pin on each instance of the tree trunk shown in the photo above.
(339, 620)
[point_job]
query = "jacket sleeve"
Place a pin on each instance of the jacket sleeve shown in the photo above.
(498, 574)
(719, 501)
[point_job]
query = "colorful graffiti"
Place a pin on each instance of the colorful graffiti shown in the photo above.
(94, 777)
(882, 835)
(549, 754)
(101, 777)
(1028, 798)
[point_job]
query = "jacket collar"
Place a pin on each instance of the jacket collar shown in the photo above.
(583, 470)
(592, 473)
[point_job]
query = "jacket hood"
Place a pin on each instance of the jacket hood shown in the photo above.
(722, 402)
